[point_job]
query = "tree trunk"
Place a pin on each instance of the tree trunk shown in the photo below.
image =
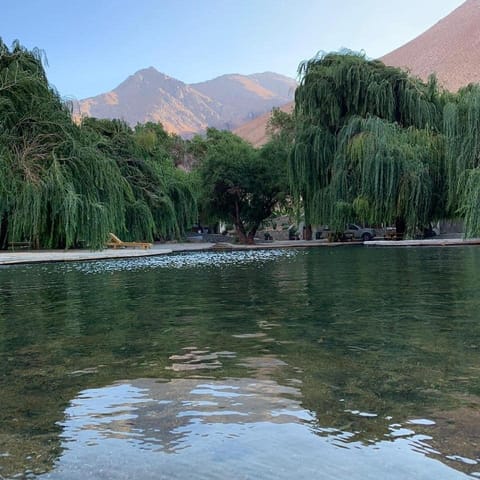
(307, 229)
(3, 232)
(242, 237)
(250, 239)
(307, 232)
(400, 227)
(251, 235)
(241, 232)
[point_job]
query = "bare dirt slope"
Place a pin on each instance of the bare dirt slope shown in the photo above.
(255, 131)
(450, 49)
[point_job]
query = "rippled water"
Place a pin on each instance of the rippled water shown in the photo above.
(348, 363)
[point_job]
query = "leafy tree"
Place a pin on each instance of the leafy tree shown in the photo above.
(462, 157)
(281, 125)
(161, 201)
(240, 185)
(384, 173)
(62, 184)
(368, 143)
(56, 187)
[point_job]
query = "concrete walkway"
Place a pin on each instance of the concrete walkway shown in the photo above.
(46, 256)
(430, 242)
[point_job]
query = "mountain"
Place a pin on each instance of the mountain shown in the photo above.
(450, 49)
(224, 102)
(149, 95)
(255, 131)
(246, 97)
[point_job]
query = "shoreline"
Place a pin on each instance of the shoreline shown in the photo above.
(20, 257)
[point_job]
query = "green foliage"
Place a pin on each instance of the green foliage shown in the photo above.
(469, 201)
(57, 188)
(461, 122)
(281, 125)
(385, 172)
(161, 202)
(240, 185)
(64, 184)
(367, 143)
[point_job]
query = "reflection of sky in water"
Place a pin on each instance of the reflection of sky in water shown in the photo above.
(234, 428)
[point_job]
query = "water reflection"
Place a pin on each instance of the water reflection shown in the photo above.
(162, 415)
(233, 428)
(360, 358)
(194, 359)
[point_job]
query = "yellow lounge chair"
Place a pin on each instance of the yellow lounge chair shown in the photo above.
(115, 242)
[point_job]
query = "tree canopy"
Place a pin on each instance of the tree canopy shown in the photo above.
(368, 143)
(241, 185)
(461, 122)
(62, 183)
(161, 201)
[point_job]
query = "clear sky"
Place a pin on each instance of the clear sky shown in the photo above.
(93, 45)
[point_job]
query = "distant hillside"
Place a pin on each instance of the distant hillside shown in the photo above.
(255, 131)
(224, 102)
(246, 97)
(450, 49)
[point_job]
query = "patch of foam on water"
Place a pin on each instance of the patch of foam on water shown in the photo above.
(421, 421)
(362, 414)
(400, 432)
(180, 261)
(458, 458)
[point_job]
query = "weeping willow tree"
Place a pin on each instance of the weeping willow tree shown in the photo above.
(161, 202)
(461, 120)
(175, 204)
(367, 143)
(57, 189)
(62, 184)
(383, 173)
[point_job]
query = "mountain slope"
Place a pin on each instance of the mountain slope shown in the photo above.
(451, 49)
(245, 97)
(149, 95)
(255, 131)
(224, 102)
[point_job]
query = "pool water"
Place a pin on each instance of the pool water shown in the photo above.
(326, 363)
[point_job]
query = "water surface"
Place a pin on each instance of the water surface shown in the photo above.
(342, 363)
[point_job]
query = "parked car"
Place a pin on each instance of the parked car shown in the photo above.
(352, 231)
(360, 233)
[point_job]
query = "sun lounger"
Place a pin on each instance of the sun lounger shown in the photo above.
(115, 242)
